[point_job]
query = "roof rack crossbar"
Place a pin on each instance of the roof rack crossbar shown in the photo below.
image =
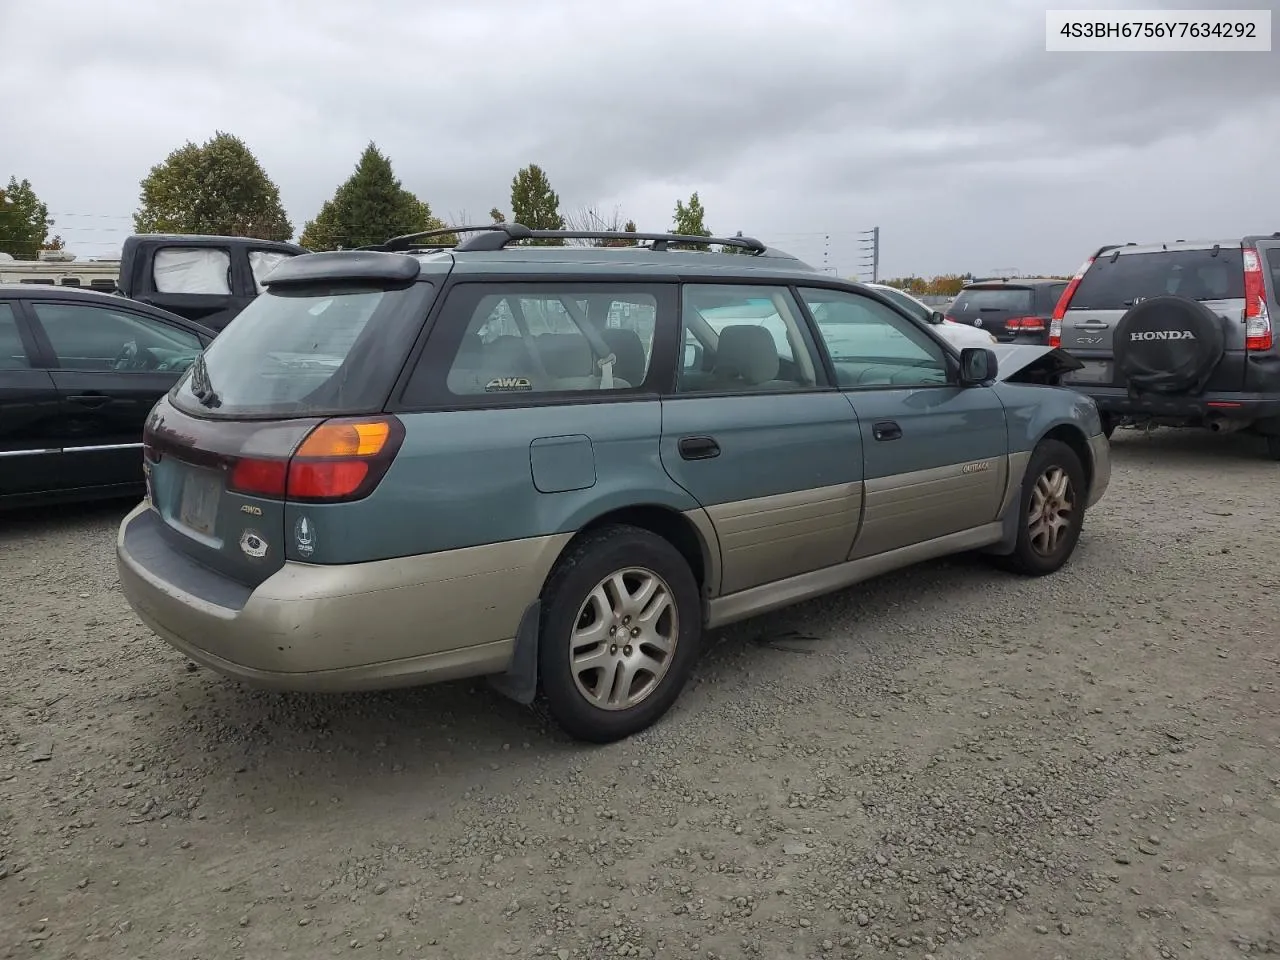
(659, 241)
(495, 236)
(406, 241)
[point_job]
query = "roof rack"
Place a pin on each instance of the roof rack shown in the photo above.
(495, 236)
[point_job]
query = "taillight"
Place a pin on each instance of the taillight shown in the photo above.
(344, 459)
(1064, 301)
(341, 459)
(1024, 323)
(259, 477)
(1257, 319)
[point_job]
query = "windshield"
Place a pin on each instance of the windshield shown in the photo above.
(302, 352)
(1196, 274)
(978, 300)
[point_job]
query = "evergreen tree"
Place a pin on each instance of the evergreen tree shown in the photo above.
(370, 207)
(534, 204)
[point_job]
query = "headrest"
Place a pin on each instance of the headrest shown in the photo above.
(564, 354)
(748, 352)
(628, 352)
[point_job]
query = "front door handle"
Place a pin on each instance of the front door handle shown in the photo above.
(698, 448)
(886, 430)
(89, 399)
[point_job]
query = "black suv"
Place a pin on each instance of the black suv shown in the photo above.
(1178, 334)
(1013, 310)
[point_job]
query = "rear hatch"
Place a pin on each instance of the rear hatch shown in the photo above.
(1117, 279)
(990, 307)
(284, 406)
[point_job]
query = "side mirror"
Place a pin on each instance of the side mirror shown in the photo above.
(937, 317)
(978, 366)
(693, 356)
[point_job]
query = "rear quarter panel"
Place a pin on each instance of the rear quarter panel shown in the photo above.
(463, 478)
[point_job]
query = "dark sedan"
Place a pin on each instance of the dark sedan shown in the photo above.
(79, 372)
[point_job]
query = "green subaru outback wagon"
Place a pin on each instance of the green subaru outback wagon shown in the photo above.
(558, 466)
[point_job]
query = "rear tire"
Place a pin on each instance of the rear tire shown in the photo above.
(621, 626)
(1051, 511)
(1273, 446)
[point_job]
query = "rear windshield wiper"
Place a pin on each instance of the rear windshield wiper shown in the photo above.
(201, 388)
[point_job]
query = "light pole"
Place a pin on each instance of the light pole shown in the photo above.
(871, 251)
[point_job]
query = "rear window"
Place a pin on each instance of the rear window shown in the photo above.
(1196, 274)
(988, 299)
(302, 352)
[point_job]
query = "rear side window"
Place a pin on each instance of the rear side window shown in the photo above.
(13, 356)
(311, 351)
(1196, 274)
(974, 302)
(201, 270)
(492, 342)
(1273, 264)
(262, 262)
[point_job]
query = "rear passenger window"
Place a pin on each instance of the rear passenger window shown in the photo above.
(92, 338)
(744, 339)
(13, 356)
(493, 342)
(871, 345)
(201, 270)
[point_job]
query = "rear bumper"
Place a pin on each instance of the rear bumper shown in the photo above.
(363, 626)
(1116, 402)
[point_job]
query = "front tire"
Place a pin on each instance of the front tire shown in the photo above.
(1051, 511)
(621, 626)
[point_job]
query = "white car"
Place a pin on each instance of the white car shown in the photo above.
(960, 334)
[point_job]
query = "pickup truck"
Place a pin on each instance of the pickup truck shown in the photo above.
(202, 278)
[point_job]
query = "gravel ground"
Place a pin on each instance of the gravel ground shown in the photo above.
(947, 762)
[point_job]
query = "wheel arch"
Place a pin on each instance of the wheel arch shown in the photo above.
(1074, 437)
(690, 532)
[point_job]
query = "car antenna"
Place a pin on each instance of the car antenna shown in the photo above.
(1216, 248)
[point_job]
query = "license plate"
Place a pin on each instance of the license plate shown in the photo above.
(1093, 371)
(199, 508)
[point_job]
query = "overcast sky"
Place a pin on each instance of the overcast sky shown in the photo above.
(944, 123)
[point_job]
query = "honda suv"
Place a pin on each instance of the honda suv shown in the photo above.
(1013, 311)
(558, 466)
(1178, 334)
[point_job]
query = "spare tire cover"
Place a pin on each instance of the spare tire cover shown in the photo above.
(1168, 345)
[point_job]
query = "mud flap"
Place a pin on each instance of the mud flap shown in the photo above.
(1009, 529)
(520, 681)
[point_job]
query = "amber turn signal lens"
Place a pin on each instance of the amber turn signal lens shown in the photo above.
(346, 439)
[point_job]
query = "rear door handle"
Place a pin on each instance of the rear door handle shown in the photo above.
(886, 430)
(89, 399)
(698, 448)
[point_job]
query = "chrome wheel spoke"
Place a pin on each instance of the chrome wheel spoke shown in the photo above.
(624, 639)
(1049, 514)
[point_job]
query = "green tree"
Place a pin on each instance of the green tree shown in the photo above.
(534, 204)
(24, 222)
(370, 207)
(497, 216)
(217, 187)
(690, 221)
